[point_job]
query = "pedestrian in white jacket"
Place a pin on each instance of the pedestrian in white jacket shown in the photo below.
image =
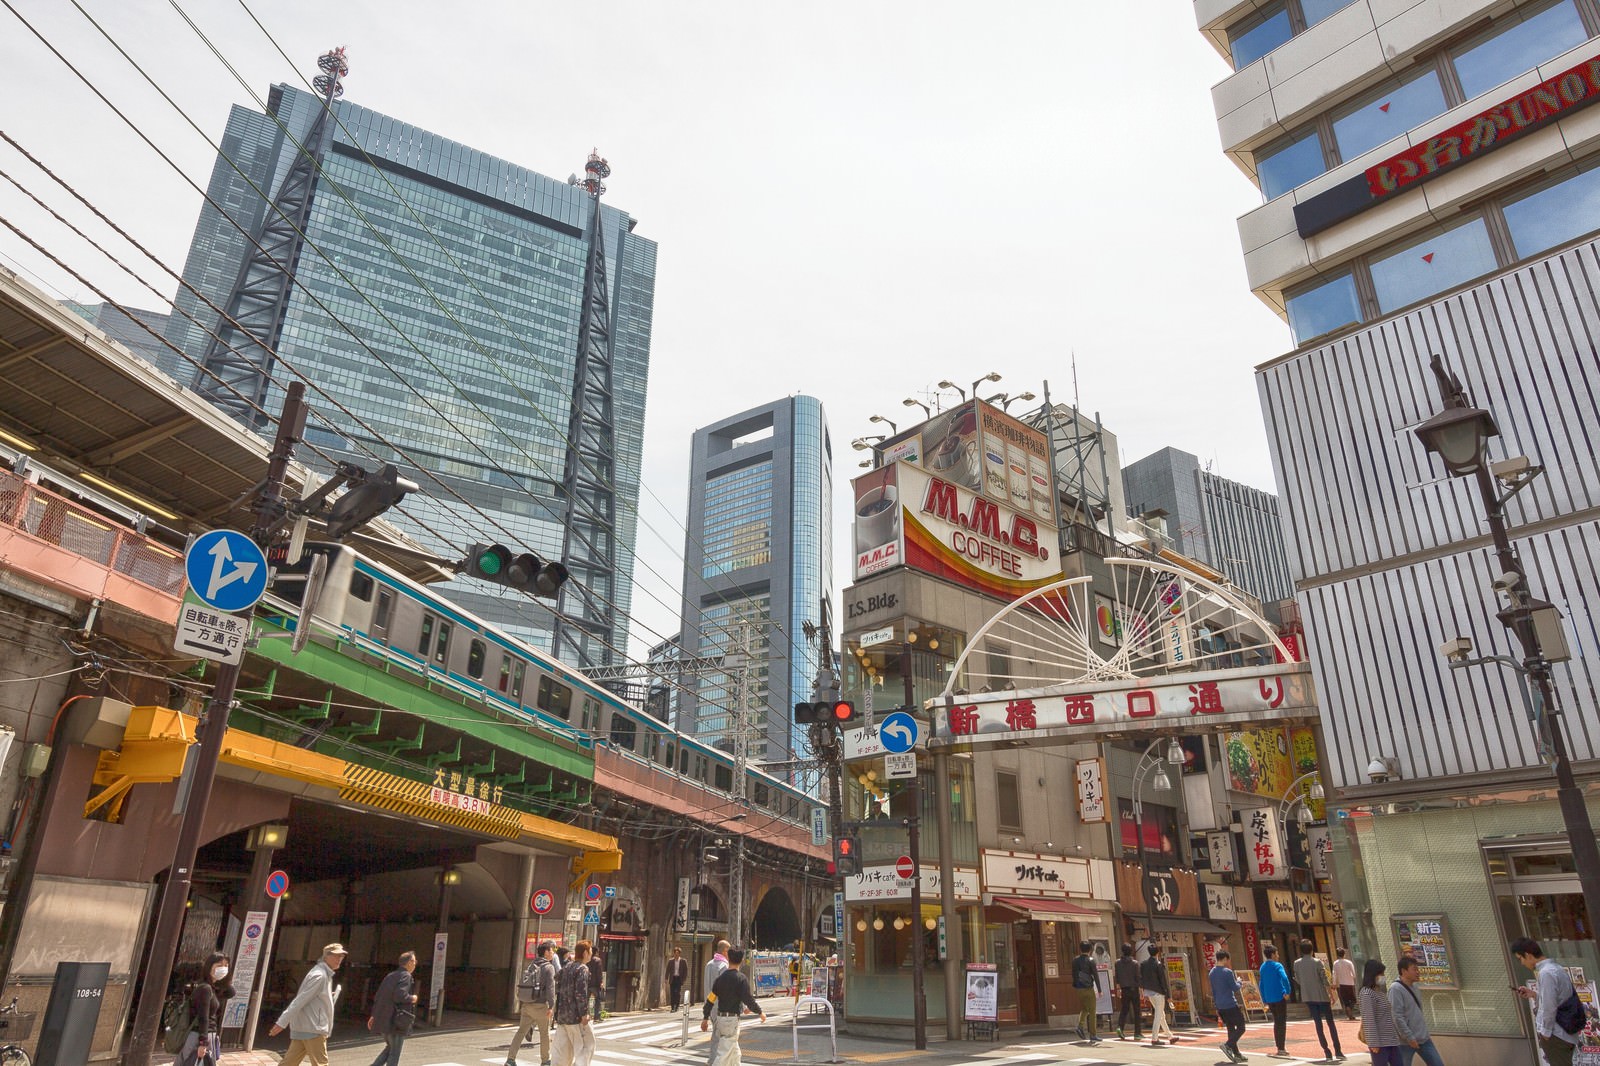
(309, 1015)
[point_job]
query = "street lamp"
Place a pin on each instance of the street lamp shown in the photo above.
(958, 388)
(992, 375)
(1006, 399)
(866, 441)
(1459, 435)
(926, 410)
(1152, 767)
(1294, 796)
(879, 418)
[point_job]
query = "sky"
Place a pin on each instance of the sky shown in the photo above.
(852, 200)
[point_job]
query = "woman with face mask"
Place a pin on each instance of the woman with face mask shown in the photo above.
(207, 997)
(1377, 1017)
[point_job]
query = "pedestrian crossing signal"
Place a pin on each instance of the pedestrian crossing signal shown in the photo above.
(847, 856)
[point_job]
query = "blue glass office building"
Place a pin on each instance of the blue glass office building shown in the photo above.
(757, 566)
(450, 286)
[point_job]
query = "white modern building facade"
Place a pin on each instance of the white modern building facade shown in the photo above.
(1428, 169)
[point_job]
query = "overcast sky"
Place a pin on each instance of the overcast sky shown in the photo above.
(852, 200)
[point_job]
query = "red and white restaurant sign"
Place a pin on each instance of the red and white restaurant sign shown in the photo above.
(1258, 692)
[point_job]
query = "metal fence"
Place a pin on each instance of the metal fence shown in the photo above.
(56, 520)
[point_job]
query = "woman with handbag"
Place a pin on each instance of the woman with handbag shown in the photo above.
(207, 997)
(1378, 1030)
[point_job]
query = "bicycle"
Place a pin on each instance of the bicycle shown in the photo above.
(14, 1026)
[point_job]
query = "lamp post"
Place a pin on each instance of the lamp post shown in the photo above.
(926, 410)
(993, 375)
(1293, 796)
(880, 419)
(1458, 435)
(947, 384)
(1152, 767)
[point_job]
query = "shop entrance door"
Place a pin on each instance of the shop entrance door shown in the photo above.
(1537, 895)
(1027, 947)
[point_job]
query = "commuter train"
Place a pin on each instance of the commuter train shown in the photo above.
(388, 615)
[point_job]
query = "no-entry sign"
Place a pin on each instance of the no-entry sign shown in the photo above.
(903, 867)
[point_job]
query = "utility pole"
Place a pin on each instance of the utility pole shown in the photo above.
(914, 850)
(213, 727)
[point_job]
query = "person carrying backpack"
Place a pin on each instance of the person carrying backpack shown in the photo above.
(536, 991)
(206, 999)
(1556, 1024)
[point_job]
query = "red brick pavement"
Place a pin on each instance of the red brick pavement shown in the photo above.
(1300, 1039)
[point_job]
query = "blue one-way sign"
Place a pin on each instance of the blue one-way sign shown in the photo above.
(226, 570)
(898, 732)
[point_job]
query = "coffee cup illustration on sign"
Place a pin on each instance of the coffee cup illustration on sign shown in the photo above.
(877, 516)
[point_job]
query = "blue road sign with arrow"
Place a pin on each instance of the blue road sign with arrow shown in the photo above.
(226, 570)
(898, 732)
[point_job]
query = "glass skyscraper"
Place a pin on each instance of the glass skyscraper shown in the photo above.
(757, 566)
(438, 302)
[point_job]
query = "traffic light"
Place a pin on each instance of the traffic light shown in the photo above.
(846, 856)
(525, 572)
(828, 712)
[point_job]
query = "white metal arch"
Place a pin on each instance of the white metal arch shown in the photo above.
(1156, 619)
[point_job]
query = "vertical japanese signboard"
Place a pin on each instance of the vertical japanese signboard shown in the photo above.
(1264, 845)
(1091, 775)
(1320, 841)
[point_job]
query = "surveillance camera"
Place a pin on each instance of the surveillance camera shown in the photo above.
(1378, 771)
(1457, 649)
(1510, 469)
(1507, 581)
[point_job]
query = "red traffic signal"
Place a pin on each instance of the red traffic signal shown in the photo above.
(843, 712)
(846, 856)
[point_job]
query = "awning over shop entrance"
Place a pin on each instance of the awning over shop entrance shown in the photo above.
(1188, 925)
(1048, 910)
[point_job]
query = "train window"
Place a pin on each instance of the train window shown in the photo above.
(701, 763)
(361, 586)
(425, 644)
(476, 653)
(668, 754)
(555, 698)
(591, 715)
(651, 746)
(505, 673)
(683, 760)
(724, 776)
(518, 672)
(385, 609)
(624, 731)
(441, 650)
(763, 795)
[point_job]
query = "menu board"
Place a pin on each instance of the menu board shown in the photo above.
(1178, 981)
(1426, 937)
(982, 993)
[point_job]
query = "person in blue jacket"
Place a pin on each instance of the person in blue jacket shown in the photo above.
(1275, 994)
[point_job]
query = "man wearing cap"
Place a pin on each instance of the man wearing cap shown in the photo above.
(536, 991)
(309, 1015)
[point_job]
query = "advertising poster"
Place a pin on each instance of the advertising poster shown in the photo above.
(1258, 762)
(982, 993)
(441, 943)
(1304, 759)
(1101, 953)
(1178, 981)
(1426, 938)
(1106, 625)
(1160, 830)
(877, 522)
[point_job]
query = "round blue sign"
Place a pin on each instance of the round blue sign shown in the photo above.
(277, 884)
(592, 892)
(898, 732)
(226, 570)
